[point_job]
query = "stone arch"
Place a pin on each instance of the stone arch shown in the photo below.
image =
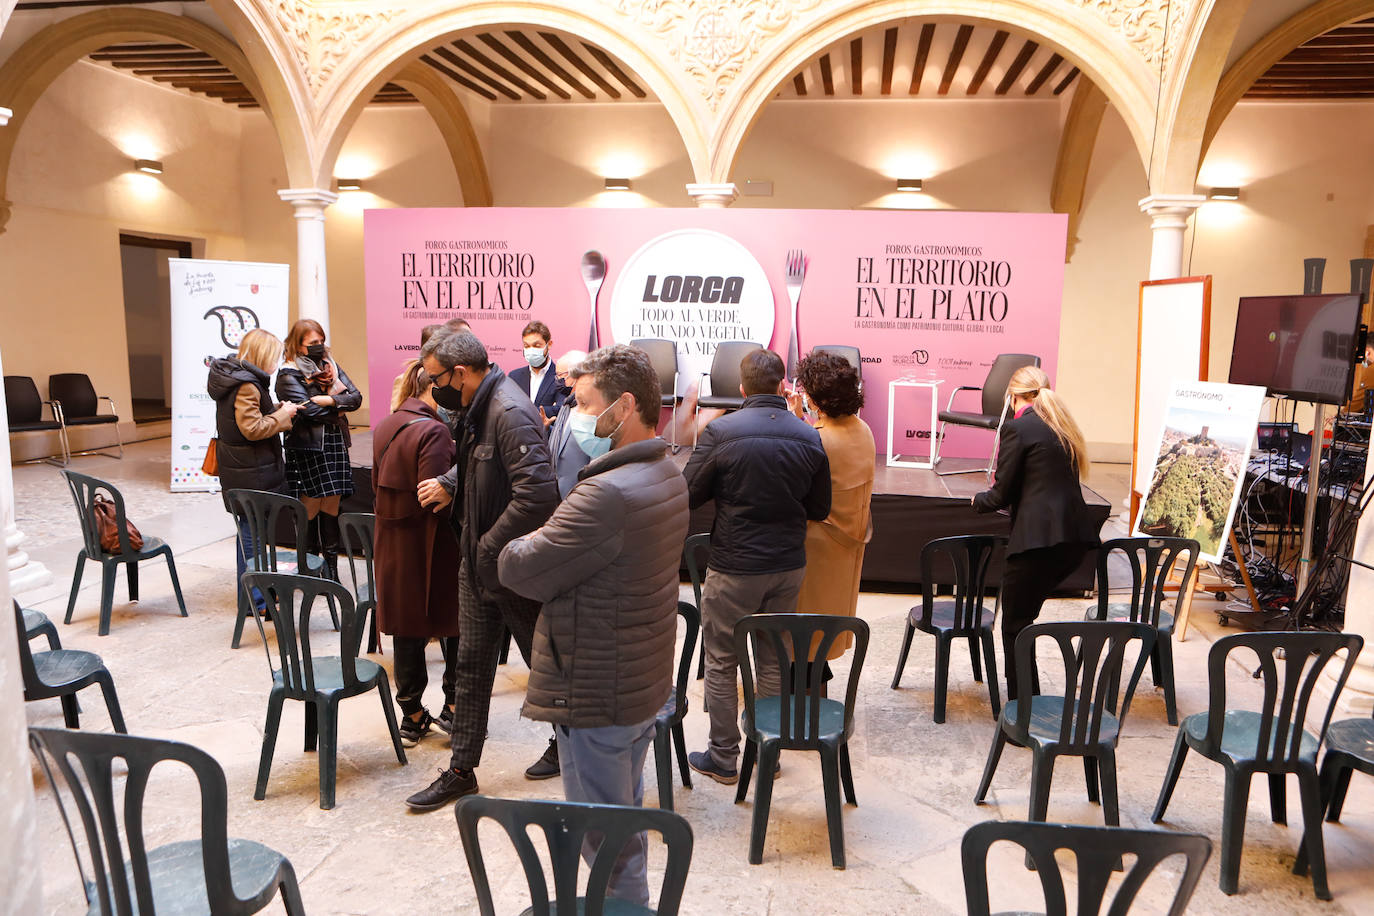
(1104, 58)
(349, 90)
(27, 74)
(452, 120)
(1076, 143)
(1307, 24)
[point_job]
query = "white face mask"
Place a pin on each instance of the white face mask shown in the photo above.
(536, 356)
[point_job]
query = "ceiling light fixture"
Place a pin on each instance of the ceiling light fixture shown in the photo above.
(150, 166)
(908, 184)
(1224, 194)
(350, 184)
(617, 184)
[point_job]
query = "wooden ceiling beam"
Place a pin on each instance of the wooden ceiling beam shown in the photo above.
(586, 70)
(1282, 69)
(150, 55)
(918, 69)
(956, 56)
(533, 50)
(1066, 81)
(470, 70)
(889, 58)
(458, 78)
(467, 48)
(491, 41)
(616, 70)
(827, 76)
(1017, 65)
(170, 46)
(999, 38)
(856, 66)
(799, 84)
(178, 71)
(1051, 65)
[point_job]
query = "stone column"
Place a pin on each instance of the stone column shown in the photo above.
(23, 572)
(713, 196)
(1168, 222)
(312, 282)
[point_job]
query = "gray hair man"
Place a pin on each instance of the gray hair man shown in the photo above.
(605, 565)
(568, 457)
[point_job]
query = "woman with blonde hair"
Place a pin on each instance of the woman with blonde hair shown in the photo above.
(248, 423)
(1041, 458)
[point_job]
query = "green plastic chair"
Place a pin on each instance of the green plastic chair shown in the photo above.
(697, 550)
(62, 673)
(668, 726)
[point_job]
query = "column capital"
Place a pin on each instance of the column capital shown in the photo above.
(310, 203)
(1171, 209)
(5, 115)
(713, 196)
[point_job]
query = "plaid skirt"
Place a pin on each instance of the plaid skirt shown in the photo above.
(322, 473)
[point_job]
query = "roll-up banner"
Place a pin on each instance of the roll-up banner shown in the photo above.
(929, 295)
(214, 303)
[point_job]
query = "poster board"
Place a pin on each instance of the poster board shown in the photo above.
(1173, 336)
(214, 303)
(1199, 458)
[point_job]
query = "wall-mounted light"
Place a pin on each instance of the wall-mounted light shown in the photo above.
(149, 166)
(908, 184)
(350, 184)
(1224, 194)
(617, 184)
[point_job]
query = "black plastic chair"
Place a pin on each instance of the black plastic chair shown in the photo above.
(992, 407)
(850, 354)
(1274, 739)
(358, 537)
(668, 735)
(1152, 560)
(799, 718)
(696, 550)
(1082, 723)
(24, 410)
(663, 355)
(566, 826)
(963, 615)
(84, 490)
(1097, 852)
(213, 874)
(725, 377)
(61, 673)
(80, 406)
(264, 513)
(318, 681)
(37, 624)
(1349, 747)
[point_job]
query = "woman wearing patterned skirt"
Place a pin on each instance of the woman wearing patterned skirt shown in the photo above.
(317, 467)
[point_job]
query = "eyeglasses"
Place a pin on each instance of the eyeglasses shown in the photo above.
(446, 375)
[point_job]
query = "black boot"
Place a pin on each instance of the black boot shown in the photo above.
(328, 532)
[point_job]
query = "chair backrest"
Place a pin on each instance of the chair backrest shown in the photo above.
(84, 489)
(663, 354)
(289, 600)
(358, 538)
(1152, 560)
(262, 512)
(851, 354)
(800, 696)
(114, 832)
(691, 617)
(22, 401)
(1097, 852)
(74, 391)
(566, 826)
(995, 385)
(1285, 709)
(27, 672)
(697, 551)
(725, 374)
(969, 555)
(1093, 652)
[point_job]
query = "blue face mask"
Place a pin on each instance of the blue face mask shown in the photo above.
(583, 426)
(536, 356)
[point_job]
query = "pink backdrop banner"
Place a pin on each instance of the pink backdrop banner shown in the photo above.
(926, 294)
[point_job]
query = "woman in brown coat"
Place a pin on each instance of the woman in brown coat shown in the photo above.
(416, 552)
(835, 545)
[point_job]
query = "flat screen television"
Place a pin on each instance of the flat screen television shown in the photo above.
(1299, 346)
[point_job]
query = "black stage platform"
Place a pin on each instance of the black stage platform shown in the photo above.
(910, 507)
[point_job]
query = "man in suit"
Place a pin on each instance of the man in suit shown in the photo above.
(568, 457)
(537, 378)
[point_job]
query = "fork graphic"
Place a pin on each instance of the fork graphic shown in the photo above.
(796, 275)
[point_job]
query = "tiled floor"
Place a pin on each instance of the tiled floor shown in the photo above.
(915, 780)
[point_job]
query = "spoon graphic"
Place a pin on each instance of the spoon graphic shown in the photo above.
(593, 274)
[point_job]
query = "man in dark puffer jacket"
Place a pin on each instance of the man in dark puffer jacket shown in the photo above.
(768, 474)
(606, 568)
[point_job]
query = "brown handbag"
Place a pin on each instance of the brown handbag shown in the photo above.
(210, 466)
(107, 526)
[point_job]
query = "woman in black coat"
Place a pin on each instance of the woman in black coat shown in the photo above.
(1040, 461)
(317, 466)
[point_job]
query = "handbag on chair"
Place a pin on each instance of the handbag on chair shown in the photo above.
(107, 526)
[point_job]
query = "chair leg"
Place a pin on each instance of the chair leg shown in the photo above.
(1312, 843)
(680, 745)
(76, 584)
(847, 775)
(269, 741)
(1156, 672)
(701, 661)
(834, 821)
(242, 618)
(108, 571)
(901, 656)
(942, 646)
(1042, 774)
(746, 769)
(291, 892)
(107, 687)
(1106, 766)
(1170, 778)
(1237, 799)
(1090, 777)
(329, 751)
(973, 656)
(312, 726)
(70, 714)
(1339, 782)
(505, 646)
(333, 611)
(1278, 798)
(990, 661)
(663, 767)
(763, 798)
(176, 582)
(389, 710)
(131, 574)
(999, 740)
(1164, 646)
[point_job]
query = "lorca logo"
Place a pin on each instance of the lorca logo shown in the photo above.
(725, 290)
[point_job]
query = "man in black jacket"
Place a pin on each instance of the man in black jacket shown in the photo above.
(768, 474)
(503, 486)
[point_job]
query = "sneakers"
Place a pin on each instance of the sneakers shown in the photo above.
(450, 786)
(546, 767)
(412, 730)
(702, 762)
(445, 720)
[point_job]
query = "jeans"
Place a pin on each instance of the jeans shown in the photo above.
(242, 555)
(606, 766)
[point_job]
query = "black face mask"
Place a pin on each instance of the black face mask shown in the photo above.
(315, 352)
(448, 397)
